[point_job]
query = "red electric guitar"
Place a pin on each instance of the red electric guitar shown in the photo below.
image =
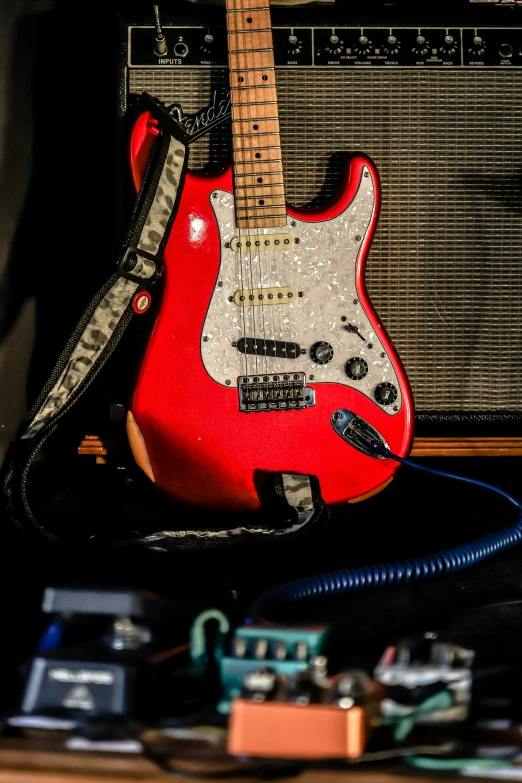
(266, 355)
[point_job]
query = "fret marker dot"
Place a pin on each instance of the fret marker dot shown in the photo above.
(249, 20)
(261, 201)
(258, 154)
(265, 78)
(241, 79)
(260, 179)
(256, 127)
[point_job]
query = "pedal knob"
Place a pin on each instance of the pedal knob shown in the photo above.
(385, 393)
(356, 368)
(321, 353)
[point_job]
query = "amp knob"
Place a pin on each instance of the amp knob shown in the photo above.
(392, 45)
(478, 48)
(321, 353)
(385, 393)
(356, 368)
(363, 46)
(206, 47)
(421, 47)
(449, 47)
(335, 45)
(296, 46)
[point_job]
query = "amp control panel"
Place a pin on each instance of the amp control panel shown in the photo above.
(337, 47)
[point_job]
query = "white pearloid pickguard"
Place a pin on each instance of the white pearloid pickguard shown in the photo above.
(321, 266)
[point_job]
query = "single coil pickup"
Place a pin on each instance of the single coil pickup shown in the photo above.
(255, 243)
(255, 346)
(278, 392)
(262, 297)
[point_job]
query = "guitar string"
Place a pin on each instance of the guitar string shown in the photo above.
(257, 310)
(262, 253)
(255, 177)
(281, 365)
(273, 255)
(277, 309)
(248, 45)
(237, 157)
(239, 254)
(250, 332)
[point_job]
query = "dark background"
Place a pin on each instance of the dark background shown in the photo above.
(63, 186)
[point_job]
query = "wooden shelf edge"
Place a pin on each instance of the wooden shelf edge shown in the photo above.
(93, 445)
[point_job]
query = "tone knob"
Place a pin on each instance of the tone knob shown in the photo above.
(392, 45)
(421, 47)
(296, 46)
(385, 393)
(356, 368)
(321, 353)
(450, 47)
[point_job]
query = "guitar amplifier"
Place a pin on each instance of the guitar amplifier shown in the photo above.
(435, 98)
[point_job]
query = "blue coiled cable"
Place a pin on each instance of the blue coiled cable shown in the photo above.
(404, 571)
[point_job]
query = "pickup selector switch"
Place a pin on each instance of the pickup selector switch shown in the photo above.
(321, 353)
(385, 393)
(356, 368)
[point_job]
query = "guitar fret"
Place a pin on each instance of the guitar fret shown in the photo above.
(266, 133)
(255, 162)
(242, 10)
(268, 68)
(261, 195)
(267, 173)
(249, 51)
(253, 30)
(253, 119)
(251, 149)
(252, 103)
(259, 185)
(263, 217)
(280, 205)
(252, 86)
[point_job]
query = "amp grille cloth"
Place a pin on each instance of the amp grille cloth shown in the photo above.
(445, 270)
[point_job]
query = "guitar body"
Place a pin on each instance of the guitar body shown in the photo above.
(185, 425)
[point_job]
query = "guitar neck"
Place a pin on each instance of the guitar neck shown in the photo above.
(258, 168)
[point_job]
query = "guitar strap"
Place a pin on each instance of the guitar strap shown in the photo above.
(99, 331)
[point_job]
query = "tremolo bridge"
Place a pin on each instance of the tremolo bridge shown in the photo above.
(279, 392)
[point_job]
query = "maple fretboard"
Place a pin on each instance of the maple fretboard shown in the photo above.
(258, 168)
